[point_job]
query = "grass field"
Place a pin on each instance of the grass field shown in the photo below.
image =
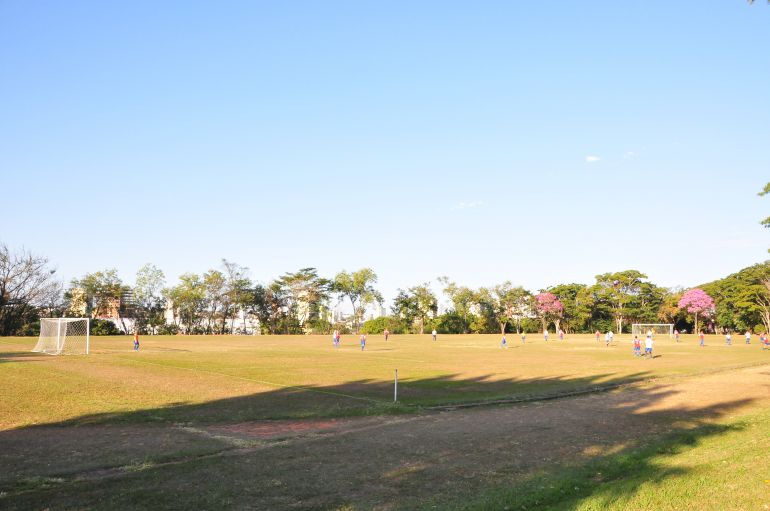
(72, 427)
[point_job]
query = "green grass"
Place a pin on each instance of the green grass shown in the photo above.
(711, 466)
(230, 378)
(124, 430)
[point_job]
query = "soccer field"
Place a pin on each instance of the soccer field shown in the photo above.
(232, 421)
(210, 379)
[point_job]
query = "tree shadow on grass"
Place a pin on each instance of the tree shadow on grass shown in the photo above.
(613, 478)
(20, 356)
(366, 397)
(545, 452)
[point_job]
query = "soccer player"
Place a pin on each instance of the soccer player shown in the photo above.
(386, 333)
(748, 337)
(545, 335)
(701, 339)
(637, 346)
(561, 334)
(503, 342)
(763, 340)
(336, 339)
(612, 336)
(363, 342)
(597, 336)
(728, 339)
(434, 334)
(607, 339)
(676, 335)
(523, 338)
(648, 346)
(136, 341)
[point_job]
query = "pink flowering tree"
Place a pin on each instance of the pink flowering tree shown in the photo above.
(697, 302)
(549, 308)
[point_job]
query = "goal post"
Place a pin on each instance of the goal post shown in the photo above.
(64, 336)
(641, 329)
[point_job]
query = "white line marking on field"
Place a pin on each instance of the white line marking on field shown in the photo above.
(258, 381)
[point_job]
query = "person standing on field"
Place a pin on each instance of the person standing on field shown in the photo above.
(728, 339)
(363, 342)
(701, 339)
(561, 334)
(637, 346)
(503, 342)
(136, 341)
(648, 346)
(386, 333)
(612, 336)
(748, 337)
(676, 335)
(545, 335)
(523, 338)
(607, 339)
(434, 334)
(597, 336)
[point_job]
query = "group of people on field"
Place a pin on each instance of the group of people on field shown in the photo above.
(386, 333)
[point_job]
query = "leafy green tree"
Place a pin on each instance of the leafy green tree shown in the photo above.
(235, 293)
(149, 301)
(103, 291)
(188, 301)
(484, 319)
(306, 294)
(358, 288)
(619, 290)
(742, 300)
(415, 306)
(214, 298)
(509, 305)
(450, 323)
(271, 307)
(577, 304)
(463, 301)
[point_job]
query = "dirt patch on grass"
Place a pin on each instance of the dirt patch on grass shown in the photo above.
(267, 430)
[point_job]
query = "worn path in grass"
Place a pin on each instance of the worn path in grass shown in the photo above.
(430, 460)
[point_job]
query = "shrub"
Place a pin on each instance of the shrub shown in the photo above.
(104, 327)
(378, 325)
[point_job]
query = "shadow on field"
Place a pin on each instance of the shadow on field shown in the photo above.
(609, 476)
(535, 455)
(17, 356)
(366, 397)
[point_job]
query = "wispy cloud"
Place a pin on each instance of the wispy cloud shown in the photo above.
(592, 159)
(629, 154)
(467, 205)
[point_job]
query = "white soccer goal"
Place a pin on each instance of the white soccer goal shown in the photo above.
(641, 329)
(63, 336)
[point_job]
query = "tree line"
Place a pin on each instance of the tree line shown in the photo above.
(222, 300)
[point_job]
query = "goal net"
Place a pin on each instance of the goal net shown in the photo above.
(63, 336)
(641, 329)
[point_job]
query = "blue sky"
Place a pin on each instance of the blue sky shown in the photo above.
(537, 142)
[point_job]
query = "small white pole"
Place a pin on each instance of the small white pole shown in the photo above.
(88, 335)
(395, 388)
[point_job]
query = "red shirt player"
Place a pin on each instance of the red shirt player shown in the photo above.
(386, 333)
(598, 334)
